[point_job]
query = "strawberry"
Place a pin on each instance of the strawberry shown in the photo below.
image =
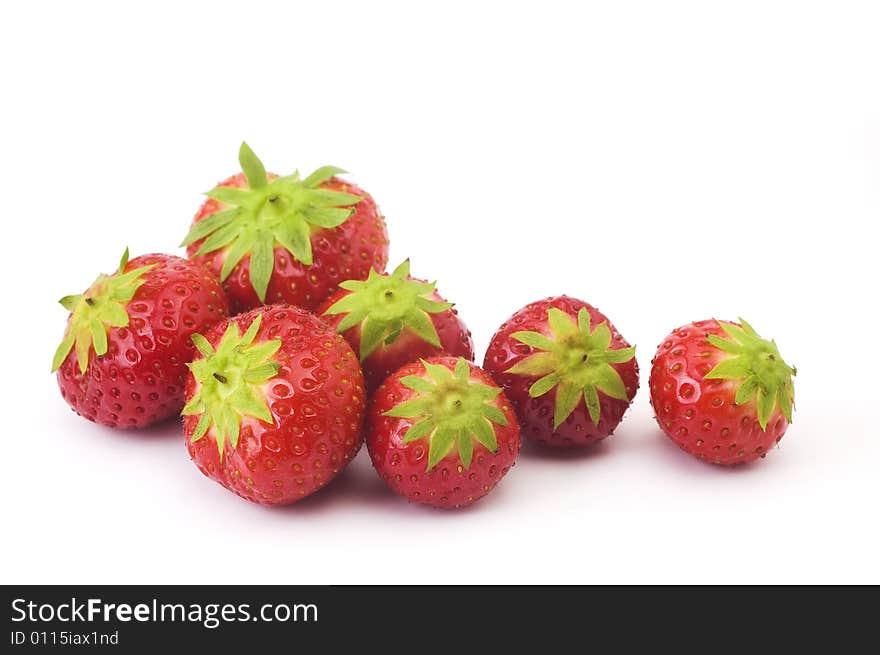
(277, 239)
(274, 404)
(567, 370)
(123, 358)
(395, 319)
(721, 392)
(441, 433)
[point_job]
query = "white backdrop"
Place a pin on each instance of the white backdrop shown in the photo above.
(664, 163)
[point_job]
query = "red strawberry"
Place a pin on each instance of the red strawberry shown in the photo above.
(275, 413)
(441, 433)
(395, 319)
(123, 358)
(567, 370)
(721, 392)
(277, 239)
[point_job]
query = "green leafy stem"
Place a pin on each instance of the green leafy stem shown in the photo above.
(282, 210)
(386, 305)
(759, 368)
(230, 383)
(575, 361)
(451, 409)
(94, 312)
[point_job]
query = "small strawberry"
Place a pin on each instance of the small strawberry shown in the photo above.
(441, 433)
(123, 358)
(277, 239)
(392, 320)
(274, 404)
(567, 370)
(721, 392)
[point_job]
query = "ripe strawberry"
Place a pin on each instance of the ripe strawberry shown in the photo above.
(275, 413)
(567, 370)
(123, 358)
(441, 433)
(277, 239)
(721, 392)
(392, 320)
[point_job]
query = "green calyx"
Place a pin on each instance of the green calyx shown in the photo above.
(575, 361)
(283, 211)
(451, 410)
(96, 311)
(760, 368)
(230, 383)
(384, 305)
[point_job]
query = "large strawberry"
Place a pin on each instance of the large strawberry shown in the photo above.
(721, 392)
(567, 370)
(392, 320)
(123, 358)
(285, 239)
(274, 404)
(440, 432)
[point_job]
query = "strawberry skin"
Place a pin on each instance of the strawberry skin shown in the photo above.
(275, 403)
(138, 380)
(571, 383)
(441, 433)
(405, 319)
(322, 257)
(720, 392)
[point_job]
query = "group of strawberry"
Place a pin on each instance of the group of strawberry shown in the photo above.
(284, 345)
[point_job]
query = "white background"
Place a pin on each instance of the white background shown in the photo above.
(666, 164)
